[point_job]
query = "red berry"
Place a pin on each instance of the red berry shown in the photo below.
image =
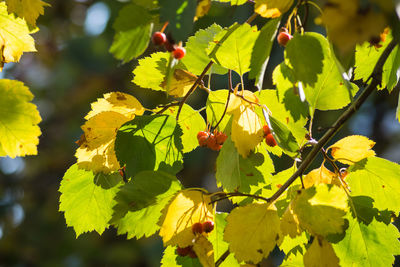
(221, 138)
(159, 38)
(284, 38)
(170, 46)
(266, 129)
(208, 226)
(197, 228)
(183, 251)
(179, 52)
(202, 138)
(270, 140)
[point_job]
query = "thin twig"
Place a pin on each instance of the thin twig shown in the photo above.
(376, 80)
(222, 258)
(194, 86)
(165, 107)
(228, 98)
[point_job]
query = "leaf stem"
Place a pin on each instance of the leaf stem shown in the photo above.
(376, 80)
(228, 98)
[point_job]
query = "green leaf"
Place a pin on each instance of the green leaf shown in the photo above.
(398, 110)
(140, 202)
(366, 58)
(216, 238)
(232, 2)
(133, 28)
(87, 199)
(196, 58)
(215, 107)
(171, 259)
(283, 135)
(237, 173)
(149, 143)
(191, 123)
(232, 48)
(19, 119)
(294, 247)
(367, 242)
(180, 15)
(262, 50)
(318, 70)
(150, 72)
(377, 178)
(279, 111)
(320, 209)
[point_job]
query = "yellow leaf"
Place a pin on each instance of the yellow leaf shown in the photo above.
(272, 8)
(204, 251)
(185, 209)
(320, 253)
(14, 37)
(203, 7)
(347, 26)
(290, 223)
(180, 83)
(252, 231)
(122, 103)
(96, 146)
(27, 9)
(352, 149)
(247, 127)
(19, 119)
(320, 209)
(319, 176)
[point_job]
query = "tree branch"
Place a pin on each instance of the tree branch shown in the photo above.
(376, 77)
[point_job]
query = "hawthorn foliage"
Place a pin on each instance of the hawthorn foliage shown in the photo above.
(339, 214)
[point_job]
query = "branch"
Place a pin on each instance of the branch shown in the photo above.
(194, 86)
(376, 77)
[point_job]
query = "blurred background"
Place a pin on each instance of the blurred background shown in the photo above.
(73, 68)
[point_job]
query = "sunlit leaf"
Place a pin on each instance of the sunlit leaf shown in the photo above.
(87, 199)
(122, 103)
(150, 143)
(196, 58)
(204, 251)
(377, 178)
(96, 146)
(133, 28)
(320, 209)
(235, 46)
(352, 149)
(215, 107)
(29, 10)
(14, 37)
(203, 6)
(185, 209)
(320, 253)
(140, 202)
(234, 172)
(19, 119)
(319, 176)
(255, 225)
(272, 8)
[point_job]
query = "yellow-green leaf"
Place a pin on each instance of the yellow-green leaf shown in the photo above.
(185, 209)
(320, 253)
(272, 8)
(14, 36)
(19, 119)
(204, 251)
(319, 176)
(352, 149)
(252, 231)
(29, 10)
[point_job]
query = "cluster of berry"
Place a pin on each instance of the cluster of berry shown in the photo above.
(159, 38)
(284, 36)
(269, 138)
(197, 229)
(213, 141)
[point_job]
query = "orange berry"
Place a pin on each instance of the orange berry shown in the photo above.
(179, 52)
(197, 228)
(266, 129)
(159, 38)
(202, 138)
(208, 226)
(221, 138)
(183, 251)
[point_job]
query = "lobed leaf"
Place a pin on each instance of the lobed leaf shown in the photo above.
(87, 199)
(19, 119)
(139, 203)
(272, 8)
(352, 149)
(150, 143)
(320, 253)
(29, 10)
